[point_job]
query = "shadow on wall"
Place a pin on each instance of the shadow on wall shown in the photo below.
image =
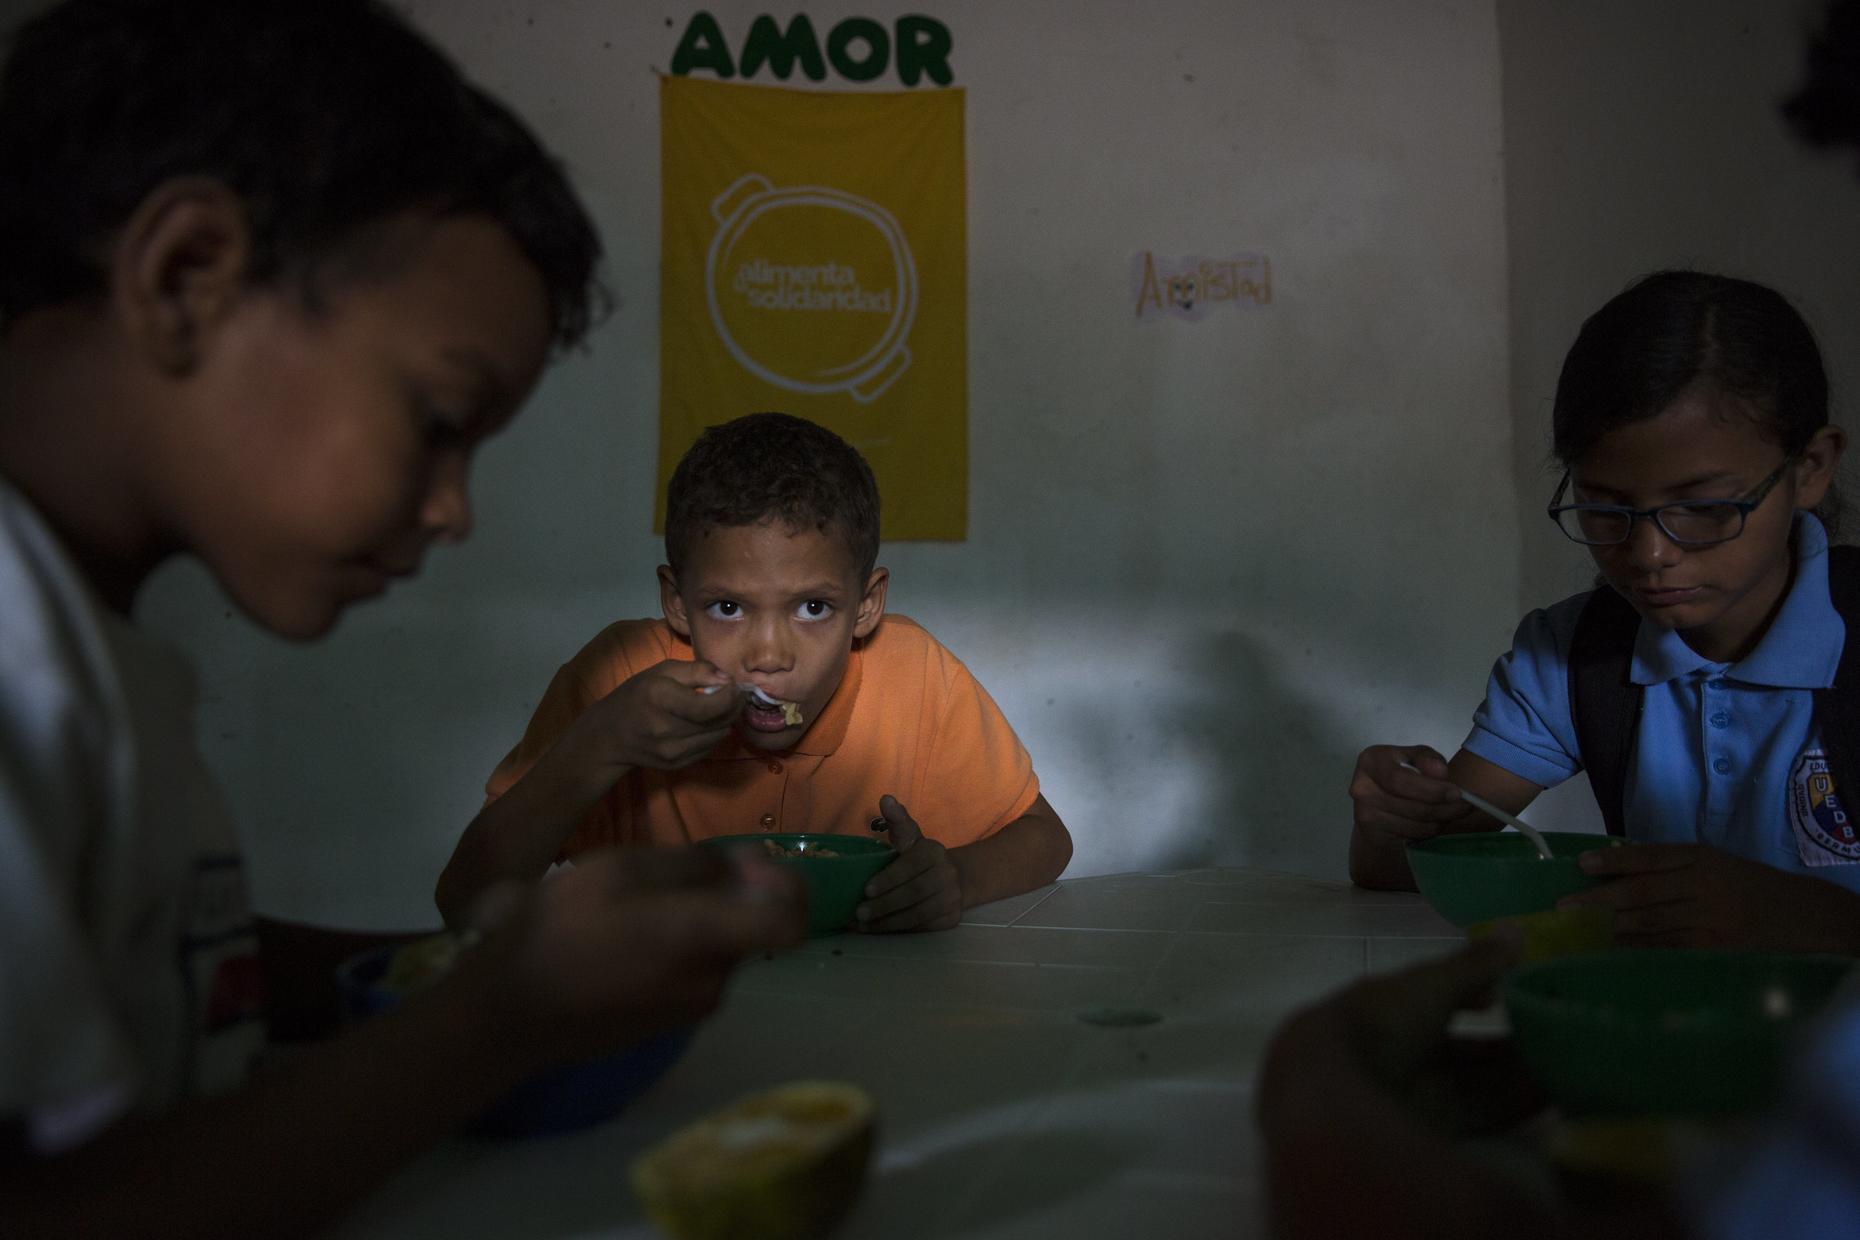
(1273, 763)
(1262, 746)
(1232, 765)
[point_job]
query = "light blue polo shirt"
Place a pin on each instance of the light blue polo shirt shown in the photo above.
(1727, 753)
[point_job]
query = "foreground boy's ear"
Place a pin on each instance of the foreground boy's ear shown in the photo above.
(179, 266)
(872, 603)
(672, 604)
(1815, 469)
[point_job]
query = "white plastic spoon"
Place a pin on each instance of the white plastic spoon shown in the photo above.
(753, 692)
(1486, 807)
(1524, 828)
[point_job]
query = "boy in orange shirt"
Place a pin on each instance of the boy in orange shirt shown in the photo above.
(650, 734)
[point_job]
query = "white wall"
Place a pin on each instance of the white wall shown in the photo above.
(1208, 561)
(1251, 544)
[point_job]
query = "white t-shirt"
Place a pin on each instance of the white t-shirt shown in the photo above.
(129, 971)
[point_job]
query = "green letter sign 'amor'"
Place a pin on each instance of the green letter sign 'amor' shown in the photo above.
(858, 48)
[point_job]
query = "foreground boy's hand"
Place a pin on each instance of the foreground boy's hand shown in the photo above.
(921, 890)
(1693, 895)
(1385, 1040)
(658, 718)
(625, 944)
(1360, 1098)
(621, 947)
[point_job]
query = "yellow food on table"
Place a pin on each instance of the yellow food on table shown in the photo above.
(786, 1164)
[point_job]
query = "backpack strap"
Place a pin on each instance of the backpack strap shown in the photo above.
(1604, 703)
(1837, 708)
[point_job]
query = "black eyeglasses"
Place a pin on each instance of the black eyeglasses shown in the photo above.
(1689, 523)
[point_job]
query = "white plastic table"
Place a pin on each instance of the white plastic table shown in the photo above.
(1005, 1111)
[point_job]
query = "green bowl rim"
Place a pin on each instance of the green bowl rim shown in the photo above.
(1445, 846)
(1517, 983)
(863, 847)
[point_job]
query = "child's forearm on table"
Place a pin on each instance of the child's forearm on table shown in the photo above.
(519, 835)
(284, 1155)
(302, 999)
(1029, 852)
(1379, 862)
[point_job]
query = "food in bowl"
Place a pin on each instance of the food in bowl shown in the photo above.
(784, 1164)
(1665, 1032)
(763, 700)
(835, 868)
(775, 848)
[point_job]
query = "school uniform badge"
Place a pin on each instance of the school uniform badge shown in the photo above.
(1825, 834)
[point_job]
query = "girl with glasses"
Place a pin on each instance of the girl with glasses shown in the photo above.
(1691, 418)
(1359, 1094)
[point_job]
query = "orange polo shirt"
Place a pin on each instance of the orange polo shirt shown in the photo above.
(908, 719)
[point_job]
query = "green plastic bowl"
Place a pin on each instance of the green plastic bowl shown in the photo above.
(1479, 875)
(836, 883)
(1665, 1032)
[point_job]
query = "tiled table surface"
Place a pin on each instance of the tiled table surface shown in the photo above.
(1002, 1112)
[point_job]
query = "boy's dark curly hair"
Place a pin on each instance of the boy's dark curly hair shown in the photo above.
(773, 467)
(327, 117)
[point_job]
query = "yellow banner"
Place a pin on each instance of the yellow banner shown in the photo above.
(814, 259)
